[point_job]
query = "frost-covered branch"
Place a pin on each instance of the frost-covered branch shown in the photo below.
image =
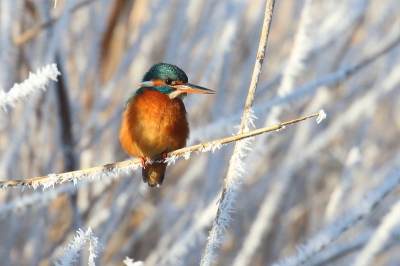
(236, 164)
(80, 239)
(36, 81)
(111, 170)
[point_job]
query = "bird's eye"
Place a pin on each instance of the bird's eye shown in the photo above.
(168, 81)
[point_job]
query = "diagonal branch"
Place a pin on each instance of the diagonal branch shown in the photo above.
(114, 168)
(223, 218)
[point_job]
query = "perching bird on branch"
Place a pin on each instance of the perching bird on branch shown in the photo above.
(155, 120)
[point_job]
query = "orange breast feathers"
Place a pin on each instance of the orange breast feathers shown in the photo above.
(153, 123)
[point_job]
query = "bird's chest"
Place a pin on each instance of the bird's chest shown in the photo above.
(154, 112)
(157, 123)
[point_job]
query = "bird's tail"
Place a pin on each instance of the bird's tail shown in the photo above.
(153, 174)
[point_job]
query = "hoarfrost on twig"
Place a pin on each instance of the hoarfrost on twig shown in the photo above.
(35, 81)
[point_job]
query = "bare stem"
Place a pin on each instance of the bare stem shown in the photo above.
(259, 61)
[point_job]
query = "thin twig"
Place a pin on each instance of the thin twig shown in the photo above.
(259, 60)
(119, 166)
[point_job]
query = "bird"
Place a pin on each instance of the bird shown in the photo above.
(154, 121)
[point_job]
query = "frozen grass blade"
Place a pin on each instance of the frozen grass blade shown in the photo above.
(35, 82)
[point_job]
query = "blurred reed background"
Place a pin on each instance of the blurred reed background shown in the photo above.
(341, 56)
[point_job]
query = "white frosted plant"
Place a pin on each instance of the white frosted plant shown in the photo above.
(79, 242)
(35, 81)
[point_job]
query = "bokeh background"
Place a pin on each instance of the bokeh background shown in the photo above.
(340, 56)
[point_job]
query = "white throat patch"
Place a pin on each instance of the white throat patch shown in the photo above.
(177, 94)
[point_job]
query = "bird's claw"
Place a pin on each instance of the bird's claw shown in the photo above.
(164, 155)
(143, 161)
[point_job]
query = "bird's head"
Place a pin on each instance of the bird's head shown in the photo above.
(170, 80)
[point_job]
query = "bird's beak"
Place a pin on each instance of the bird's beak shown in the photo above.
(191, 88)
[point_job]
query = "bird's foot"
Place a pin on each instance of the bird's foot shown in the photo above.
(143, 161)
(164, 155)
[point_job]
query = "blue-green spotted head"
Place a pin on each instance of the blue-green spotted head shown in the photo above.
(170, 80)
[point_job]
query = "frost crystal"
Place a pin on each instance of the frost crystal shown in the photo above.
(50, 181)
(187, 155)
(129, 262)
(35, 185)
(171, 159)
(212, 147)
(321, 116)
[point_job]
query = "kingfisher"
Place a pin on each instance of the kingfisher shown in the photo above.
(154, 121)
